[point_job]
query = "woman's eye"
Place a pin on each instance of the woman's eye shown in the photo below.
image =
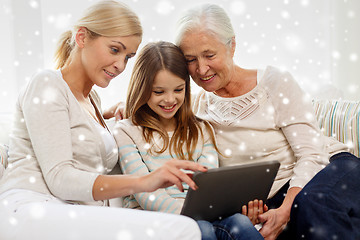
(158, 92)
(114, 50)
(210, 56)
(190, 60)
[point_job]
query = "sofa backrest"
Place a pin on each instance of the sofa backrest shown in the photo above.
(340, 119)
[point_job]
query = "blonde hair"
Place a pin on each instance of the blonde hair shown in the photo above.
(105, 18)
(209, 18)
(153, 58)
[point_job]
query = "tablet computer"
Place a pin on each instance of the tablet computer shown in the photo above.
(223, 191)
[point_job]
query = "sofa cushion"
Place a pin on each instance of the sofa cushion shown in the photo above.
(3, 158)
(340, 119)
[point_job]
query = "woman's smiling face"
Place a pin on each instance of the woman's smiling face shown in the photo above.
(104, 58)
(210, 62)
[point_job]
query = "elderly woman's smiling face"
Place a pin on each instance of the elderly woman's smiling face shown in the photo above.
(210, 62)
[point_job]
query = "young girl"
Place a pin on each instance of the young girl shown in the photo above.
(160, 126)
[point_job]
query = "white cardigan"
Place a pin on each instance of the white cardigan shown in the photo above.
(55, 147)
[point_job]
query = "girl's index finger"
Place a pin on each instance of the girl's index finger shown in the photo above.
(189, 165)
(184, 177)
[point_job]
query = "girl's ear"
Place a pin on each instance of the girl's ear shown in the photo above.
(80, 37)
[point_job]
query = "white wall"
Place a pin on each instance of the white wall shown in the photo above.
(8, 85)
(345, 41)
(317, 41)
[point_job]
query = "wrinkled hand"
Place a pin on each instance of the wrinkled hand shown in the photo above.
(274, 221)
(170, 174)
(254, 209)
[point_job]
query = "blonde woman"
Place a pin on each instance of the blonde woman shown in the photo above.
(56, 185)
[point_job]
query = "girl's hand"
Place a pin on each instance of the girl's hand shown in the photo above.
(170, 173)
(254, 209)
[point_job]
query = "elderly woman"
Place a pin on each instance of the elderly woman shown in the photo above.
(263, 115)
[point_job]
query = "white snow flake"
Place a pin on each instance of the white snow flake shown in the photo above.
(242, 146)
(37, 211)
(34, 4)
(286, 101)
(164, 7)
(152, 197)
(285, 14)
(72, 214)
(32, 179)
(36, 100)
(336, 54)
(13, 221)
(124, 235)
(49, 95)
(353, 57)
(228, 152)
(150, 232)
(238, 7)
(305, 2)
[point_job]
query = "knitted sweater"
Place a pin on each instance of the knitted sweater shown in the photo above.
(135, 158)
(55, 147)
(274, 121)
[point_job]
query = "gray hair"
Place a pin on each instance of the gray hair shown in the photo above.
(209, 18)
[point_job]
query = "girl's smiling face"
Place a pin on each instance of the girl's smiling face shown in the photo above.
(168, 93)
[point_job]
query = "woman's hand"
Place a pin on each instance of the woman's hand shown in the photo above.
(254, 209)
(171, 174)
(116, 111)
(274, 221)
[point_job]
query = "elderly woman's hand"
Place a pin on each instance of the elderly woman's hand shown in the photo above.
(274, 221)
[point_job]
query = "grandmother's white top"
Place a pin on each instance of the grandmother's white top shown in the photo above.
(274, 121)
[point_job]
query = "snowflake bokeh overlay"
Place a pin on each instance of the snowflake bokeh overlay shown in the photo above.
(317, 41)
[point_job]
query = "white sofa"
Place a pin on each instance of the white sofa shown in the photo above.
(337, 118)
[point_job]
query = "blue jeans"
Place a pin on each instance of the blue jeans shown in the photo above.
(328, 207)
(237, 226)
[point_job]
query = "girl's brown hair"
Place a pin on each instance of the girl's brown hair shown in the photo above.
(106, 18)
(153, 58)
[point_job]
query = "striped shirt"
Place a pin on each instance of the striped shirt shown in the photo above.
(135, 158)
